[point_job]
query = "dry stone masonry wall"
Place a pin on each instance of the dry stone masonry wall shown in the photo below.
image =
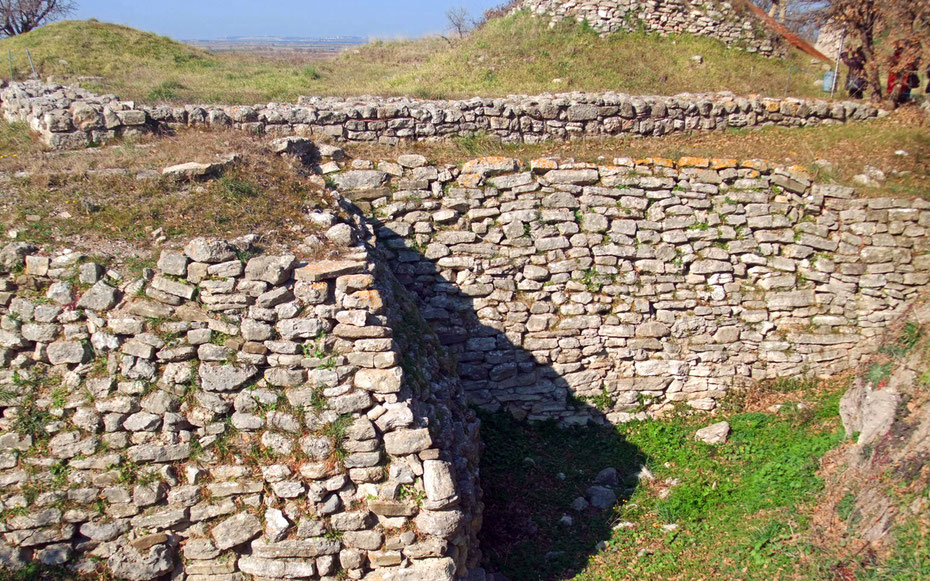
(234, 415)
(734, 25)
(73, 118)
(571, 291)
(228, 416)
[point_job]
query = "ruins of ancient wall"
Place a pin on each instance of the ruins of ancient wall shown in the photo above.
(728, 22)
(561, 288)
(71, 118)
(228, 416)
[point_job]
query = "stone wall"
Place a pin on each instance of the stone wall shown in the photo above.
(724, 21)
(574, 291)
(72, 118)
(227, 416)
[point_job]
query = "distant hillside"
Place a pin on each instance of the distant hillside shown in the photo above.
(514, 54)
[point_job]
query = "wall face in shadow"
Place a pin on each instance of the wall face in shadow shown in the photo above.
(563, 289)
(546, 491)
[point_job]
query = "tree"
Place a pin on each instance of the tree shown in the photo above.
(893, 34)
(19, 16)
(459, 21)
(798, 16)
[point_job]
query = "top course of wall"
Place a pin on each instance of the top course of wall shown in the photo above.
(736, 27)
(68, 117)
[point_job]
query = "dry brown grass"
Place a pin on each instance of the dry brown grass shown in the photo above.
(61, 201)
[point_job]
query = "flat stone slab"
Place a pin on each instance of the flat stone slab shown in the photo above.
(490, 166)
(328, 270)
(189, 171)
(715, 434)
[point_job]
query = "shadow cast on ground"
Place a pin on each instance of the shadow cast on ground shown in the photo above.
(531, 474)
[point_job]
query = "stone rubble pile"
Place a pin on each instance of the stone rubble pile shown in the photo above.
(735, 26)
(72, 118)
(227, 416)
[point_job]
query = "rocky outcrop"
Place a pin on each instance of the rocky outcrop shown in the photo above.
(729, 22)
(875, 501)
(69, 118)
(229, 416)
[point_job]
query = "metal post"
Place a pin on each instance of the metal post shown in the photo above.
(35, 73)
(836, 72)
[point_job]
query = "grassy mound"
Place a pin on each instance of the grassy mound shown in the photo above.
(522, 54)
(143, 66)
(92, 48)
(515, 54)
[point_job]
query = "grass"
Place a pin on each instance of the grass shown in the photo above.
(910, 558)
(516, 54)
(738, 507)
(522, 54)
(62, 202)
(16, 139)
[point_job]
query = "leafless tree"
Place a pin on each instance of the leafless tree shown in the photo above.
(459, 21)
(19, 16)
(894, 35)
(799, 16)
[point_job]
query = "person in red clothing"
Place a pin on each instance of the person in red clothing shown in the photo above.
(894, 64)
(902, 76)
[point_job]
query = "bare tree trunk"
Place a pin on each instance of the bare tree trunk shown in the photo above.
(872, 71)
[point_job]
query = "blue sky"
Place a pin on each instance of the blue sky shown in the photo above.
(206, 19)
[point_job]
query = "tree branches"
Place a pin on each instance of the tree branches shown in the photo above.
(893, 34)
(19, 16)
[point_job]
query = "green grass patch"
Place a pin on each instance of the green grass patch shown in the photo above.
(737, 506)
(15, 139)
(910, 557)
(910, 335)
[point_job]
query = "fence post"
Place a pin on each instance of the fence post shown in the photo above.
(836, 72)
(35, 73)
(9, 57)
